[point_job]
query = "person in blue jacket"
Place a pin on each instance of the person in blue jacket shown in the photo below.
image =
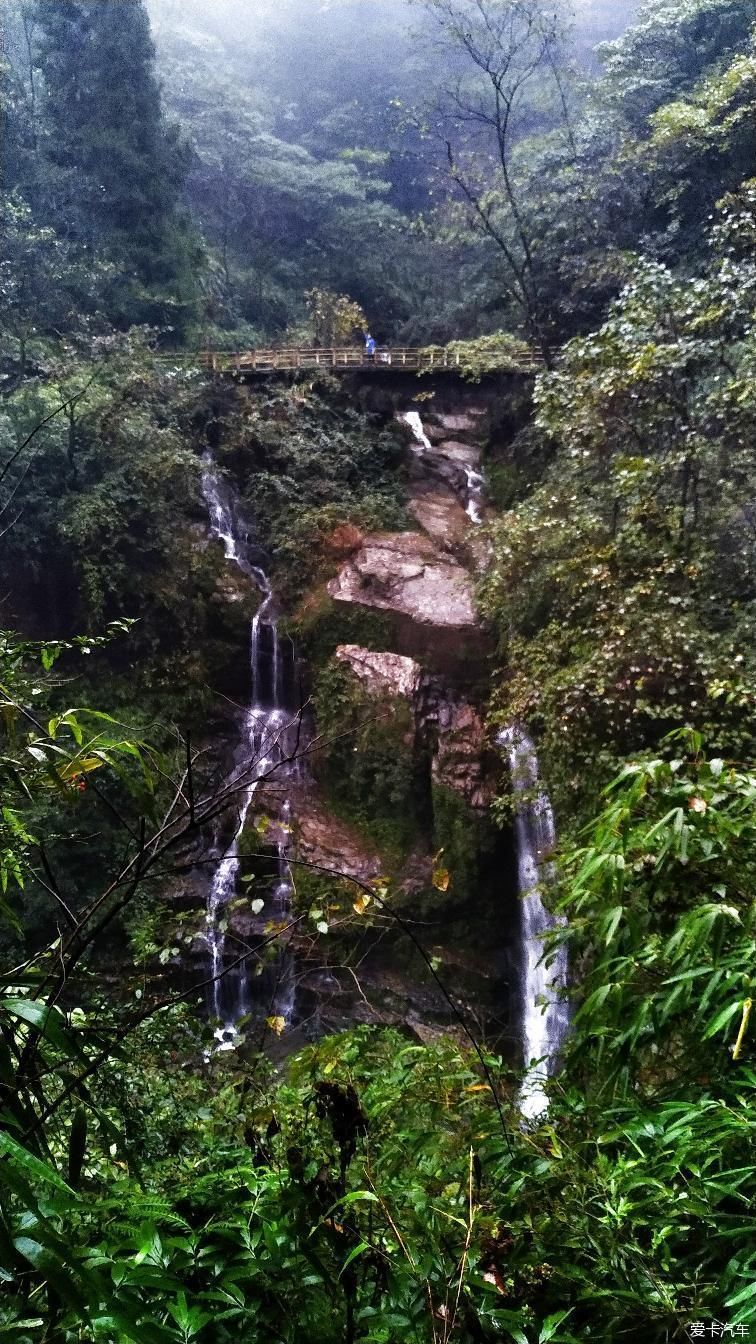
(369, 347)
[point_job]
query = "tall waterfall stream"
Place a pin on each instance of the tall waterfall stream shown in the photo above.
(268, 741)
(544, 1013)
(544, 1010)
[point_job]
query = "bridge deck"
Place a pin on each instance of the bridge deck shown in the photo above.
(351, 357)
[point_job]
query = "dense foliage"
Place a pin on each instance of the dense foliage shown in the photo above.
(145, 1199)
(622, 588)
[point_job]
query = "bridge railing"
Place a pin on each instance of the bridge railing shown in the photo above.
(346, 357)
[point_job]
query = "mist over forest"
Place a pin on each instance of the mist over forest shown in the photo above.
(377, 671)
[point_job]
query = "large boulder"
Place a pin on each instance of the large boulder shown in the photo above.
(382, 674)
(403, 572)
(467, 421)
(441, 515)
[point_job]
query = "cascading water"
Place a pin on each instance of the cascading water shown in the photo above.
(414, 420)
(268, 741)
(475, 495)
(474, 482)
(284, 980)
(545, 1013)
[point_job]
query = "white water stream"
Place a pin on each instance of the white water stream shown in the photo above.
(474, 483)
(475, 495)
(268, 740)
(545, 1013)
(414, 420)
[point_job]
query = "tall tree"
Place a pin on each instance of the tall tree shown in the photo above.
(508, 82)
(115, 170)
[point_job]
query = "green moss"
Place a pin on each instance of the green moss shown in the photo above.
(305, 461)
(516, 461)
(504, 484)
(321, 625)
(468, 841)
(371, 773)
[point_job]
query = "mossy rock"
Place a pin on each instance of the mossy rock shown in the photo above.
(469, 842)
(372, 773)
(515, 464)
(320, 625)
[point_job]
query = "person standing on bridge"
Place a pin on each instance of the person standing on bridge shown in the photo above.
(369, 348)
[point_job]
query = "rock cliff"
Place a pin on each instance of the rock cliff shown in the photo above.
(405, 573)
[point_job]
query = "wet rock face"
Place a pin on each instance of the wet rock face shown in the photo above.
(329, 843)
(464, 453)
(441, 516)
(403, 572)
(459, 762)
(440, 425)
(467, 421)
(448, 471)
(446, 723)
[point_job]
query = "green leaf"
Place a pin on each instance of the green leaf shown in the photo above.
(744, 1295)
(48, 1021)
(614, 916)
(722, 1019)
(32, 1165)
(552, 1324)
(357, 1250)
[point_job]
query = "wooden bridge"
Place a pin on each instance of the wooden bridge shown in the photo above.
(386, 358)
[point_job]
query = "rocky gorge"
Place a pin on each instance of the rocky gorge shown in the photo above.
(398, 876)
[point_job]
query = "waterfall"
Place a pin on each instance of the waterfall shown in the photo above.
(474, 482)
(268, 738)
(413, 419)
(475, 495)
(282, 1004)
(545, 1014)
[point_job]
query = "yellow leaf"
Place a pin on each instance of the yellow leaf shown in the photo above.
(277, 1024)
(441, 879)
(80, 767)
(361, 904)
(478, 1087)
